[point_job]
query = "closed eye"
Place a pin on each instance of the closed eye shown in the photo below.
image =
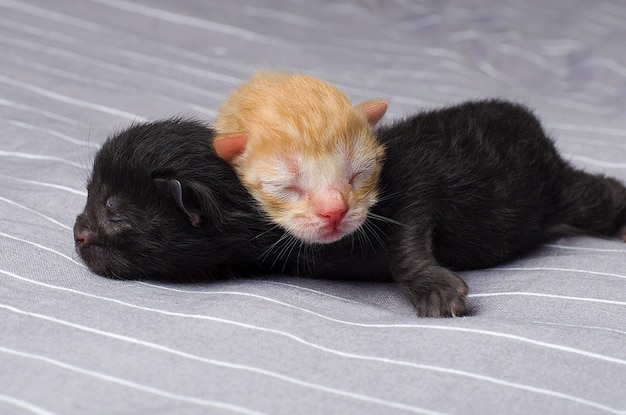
(294, 190)
(357, 178)
(116, 218)
(112, 207)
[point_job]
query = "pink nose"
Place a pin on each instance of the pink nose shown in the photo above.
(84, 237)
(331, 205)
(333, 216)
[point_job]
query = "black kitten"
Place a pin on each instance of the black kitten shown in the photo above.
(476, 185)
(466, 187)
(154, 211)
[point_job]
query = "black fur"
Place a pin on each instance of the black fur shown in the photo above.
(155, 239)
(476, 185)
(465, 187)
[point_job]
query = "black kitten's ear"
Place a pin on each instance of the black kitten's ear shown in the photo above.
(173, 188)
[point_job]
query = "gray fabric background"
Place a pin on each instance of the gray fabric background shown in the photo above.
(546, 334)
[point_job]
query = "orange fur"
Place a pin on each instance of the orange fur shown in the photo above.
(291, 138)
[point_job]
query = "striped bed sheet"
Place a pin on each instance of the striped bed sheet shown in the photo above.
(546, 334)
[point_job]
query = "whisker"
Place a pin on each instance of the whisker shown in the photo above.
(385, 219)
(387, 197)
(287, 244)
(293, 243)
(352, 237)
(266, 253)
(310, 251)
(377, 233)
(310, 257)
(298, 258)
(299, 244)
(362, 238)
(371, 232)
(264, 232)
(367, 238)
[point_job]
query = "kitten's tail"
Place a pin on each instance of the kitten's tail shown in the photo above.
(592, 204)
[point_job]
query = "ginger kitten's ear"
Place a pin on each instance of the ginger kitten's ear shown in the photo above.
(374, 110)
(228, 147)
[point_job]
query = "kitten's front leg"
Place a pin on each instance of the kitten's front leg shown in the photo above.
(434, 291)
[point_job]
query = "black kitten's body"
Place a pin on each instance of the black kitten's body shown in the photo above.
(476, 185)
(466, 187)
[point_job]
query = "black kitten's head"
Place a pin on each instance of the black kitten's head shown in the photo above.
(161, 204)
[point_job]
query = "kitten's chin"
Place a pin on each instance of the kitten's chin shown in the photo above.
(330, 237)
(96, 258)
(323, 234)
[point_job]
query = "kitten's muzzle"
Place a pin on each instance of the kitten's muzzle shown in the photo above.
(84, 237)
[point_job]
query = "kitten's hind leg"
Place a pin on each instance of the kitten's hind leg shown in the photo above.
(594, 204)
(433, 290)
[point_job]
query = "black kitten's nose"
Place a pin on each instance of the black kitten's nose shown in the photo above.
(84, 237)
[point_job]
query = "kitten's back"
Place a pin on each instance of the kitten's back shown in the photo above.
(491, 178)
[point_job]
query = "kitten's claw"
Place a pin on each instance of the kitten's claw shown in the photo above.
(439, 294)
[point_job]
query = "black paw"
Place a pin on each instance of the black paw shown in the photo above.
(439, 293)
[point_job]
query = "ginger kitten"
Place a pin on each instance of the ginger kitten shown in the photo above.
(304, 151)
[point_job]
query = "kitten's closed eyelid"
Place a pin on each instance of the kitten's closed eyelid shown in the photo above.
(112, 206)
(282, 190)
(116, 218)
(358, 178)
(294, 190)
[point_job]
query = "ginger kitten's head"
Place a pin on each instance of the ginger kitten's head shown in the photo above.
(304, 151)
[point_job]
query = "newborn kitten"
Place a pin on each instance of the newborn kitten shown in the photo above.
(152, 213)
(306, 154)
(475, 185)
(465, 187)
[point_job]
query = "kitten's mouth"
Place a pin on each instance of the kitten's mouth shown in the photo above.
(320, 235)
(314, 232)
(332, 234)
